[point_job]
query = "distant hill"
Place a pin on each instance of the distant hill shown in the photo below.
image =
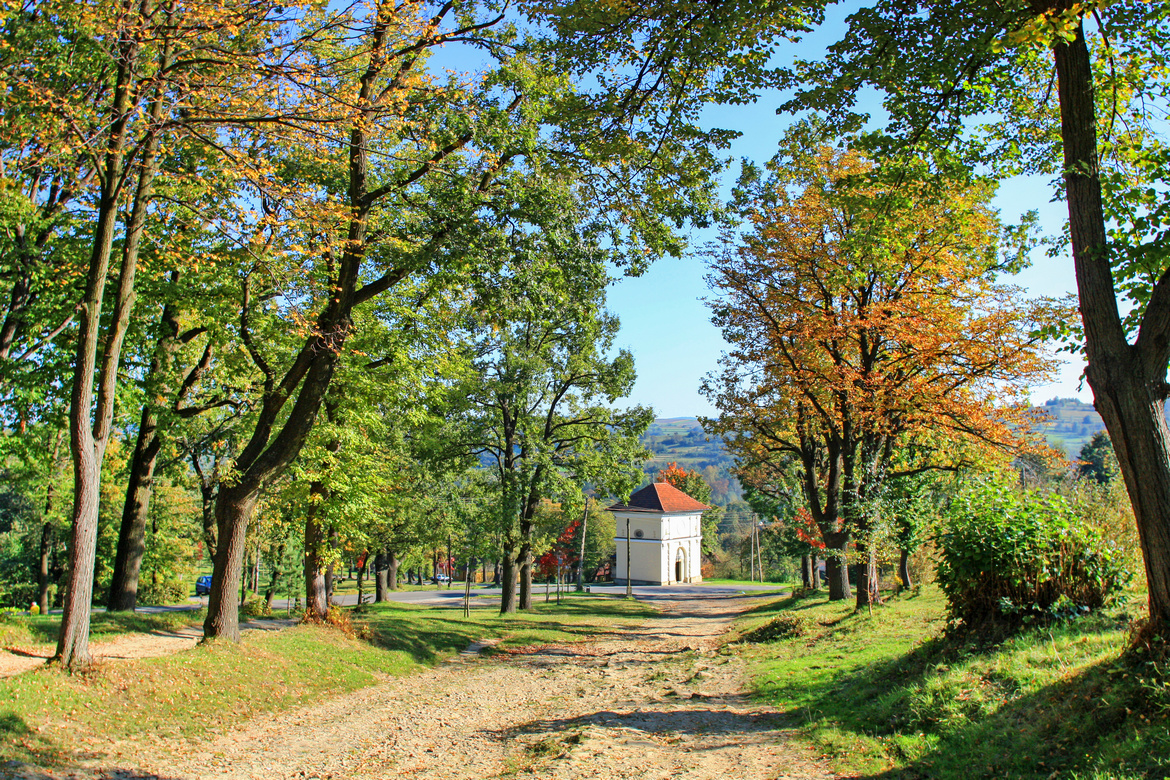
(682, 440)
(1071, 423)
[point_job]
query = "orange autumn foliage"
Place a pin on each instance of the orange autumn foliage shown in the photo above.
(869, 336)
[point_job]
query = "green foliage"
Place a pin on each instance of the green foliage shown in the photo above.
(1097, 459)
(1010, 556)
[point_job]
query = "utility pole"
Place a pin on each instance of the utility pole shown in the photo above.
(752, 552)
(759, 548)
(629, 582)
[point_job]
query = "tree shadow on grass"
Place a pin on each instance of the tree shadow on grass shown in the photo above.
(25, 746)
(1071, 727)
(791, 603)
(106, 625)
(425, 633)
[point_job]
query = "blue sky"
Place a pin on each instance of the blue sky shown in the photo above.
(667, 327)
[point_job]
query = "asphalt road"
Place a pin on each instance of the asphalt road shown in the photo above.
(487, 596)
(454, 594)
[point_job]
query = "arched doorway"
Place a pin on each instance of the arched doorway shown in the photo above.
(680, 565)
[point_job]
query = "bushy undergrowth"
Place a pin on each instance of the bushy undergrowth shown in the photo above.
(1011, 556)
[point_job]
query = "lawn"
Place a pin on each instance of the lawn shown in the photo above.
(48, 717)
(887, 696)
(41, 630)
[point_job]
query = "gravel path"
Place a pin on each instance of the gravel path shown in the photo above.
(656, 702)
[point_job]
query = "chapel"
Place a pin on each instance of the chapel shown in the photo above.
(659, 532)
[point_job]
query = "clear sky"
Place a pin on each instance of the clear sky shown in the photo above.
(667, 327)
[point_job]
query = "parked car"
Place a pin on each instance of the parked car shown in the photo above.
(439, 578)
(203, 585)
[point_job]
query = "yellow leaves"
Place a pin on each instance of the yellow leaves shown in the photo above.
(1047, 29)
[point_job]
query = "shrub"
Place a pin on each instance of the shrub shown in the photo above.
(782, 626)
(166, 591)
(1011, 556)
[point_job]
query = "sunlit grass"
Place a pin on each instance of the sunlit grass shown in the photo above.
(885, 695)
(39, 631)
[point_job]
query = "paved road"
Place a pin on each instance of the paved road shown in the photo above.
(454, 594)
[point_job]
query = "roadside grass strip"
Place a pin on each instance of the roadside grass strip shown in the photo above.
(887, 695)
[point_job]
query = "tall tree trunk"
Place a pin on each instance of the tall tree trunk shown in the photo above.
(392, 564)
(316, 585)
(123, 594)
(806, 567)
(90, 420)
(508, 577)
(277, 573)
(361, 573)
(1129, 383)
(816, 572)
(904, 569)
(867, 576)
(524, 561)
(331, 570)
(48, 539)
(836, 566)
(234, 505)
(279, 435)
(381, 578)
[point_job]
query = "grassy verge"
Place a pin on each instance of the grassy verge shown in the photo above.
(750, 583)
(42, 630)
(48, 717)
(885, 696)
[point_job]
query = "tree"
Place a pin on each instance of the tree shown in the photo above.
(696, 486)
(941, 64)
(538, 401)
(1097, 460)
(824, 300)
(151, 56)
(774, 490)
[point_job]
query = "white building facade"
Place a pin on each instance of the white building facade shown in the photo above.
(659, 537)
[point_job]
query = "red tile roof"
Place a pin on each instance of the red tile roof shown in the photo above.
(660, 497)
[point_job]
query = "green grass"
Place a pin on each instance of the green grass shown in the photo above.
(42, 630)
(885, 696)
(49, 717)
(777, 585)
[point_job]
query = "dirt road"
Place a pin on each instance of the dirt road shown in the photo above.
(655, 702)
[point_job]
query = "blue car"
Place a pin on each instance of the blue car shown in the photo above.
(203, 585)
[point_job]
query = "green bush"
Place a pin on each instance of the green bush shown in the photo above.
(167, 591)
(1011, 556)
